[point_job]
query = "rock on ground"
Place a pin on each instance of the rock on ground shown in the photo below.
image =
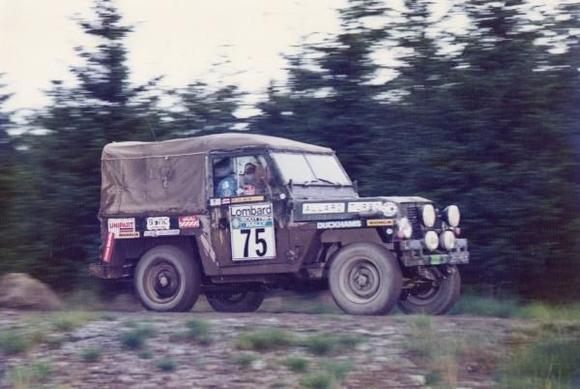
(21, 291)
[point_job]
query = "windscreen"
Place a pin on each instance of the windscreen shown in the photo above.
(311, 169)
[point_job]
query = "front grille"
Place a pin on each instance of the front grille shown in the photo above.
(413, 214)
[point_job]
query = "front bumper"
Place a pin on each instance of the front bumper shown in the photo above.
(413, 253)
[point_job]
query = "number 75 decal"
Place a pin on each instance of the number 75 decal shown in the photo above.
(252, 232)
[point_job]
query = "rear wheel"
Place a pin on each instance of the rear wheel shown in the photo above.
(432, 291)
(246, 301)
(365, 279)
(167, 280)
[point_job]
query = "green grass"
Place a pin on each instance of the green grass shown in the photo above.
(245, 360)
(265, 340)
(297, 364)
(322, 344)
(29, 376)
(134, 338)
(91, 354)
(199, 330)
(166, 365)
(549, 362)
(486, 306)
(14, 342)
(69, 321)
(318, 380)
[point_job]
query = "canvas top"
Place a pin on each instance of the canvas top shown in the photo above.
(203, 145)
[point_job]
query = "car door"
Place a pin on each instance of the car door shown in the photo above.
(249, 231)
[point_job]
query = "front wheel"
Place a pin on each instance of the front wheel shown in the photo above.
(365, 279)
(246, 301)
(431, 291)
(167, 280)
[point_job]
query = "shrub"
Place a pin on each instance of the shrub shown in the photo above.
(245, 360)
(264, 340)
(134, 338)
(68, 321)
(91, 354)
(166, 364)
(547, 363)
(29, 376)
(14, 342)
(318, 380)
(297, 364)
(199, 330)
(486, 306)
(322, 344)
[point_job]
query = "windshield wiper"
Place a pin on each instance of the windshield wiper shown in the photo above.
(307, 183)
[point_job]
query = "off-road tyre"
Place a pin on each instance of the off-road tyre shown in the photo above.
(436, 301)
(365, 279)
(246, 301)
(167, 280)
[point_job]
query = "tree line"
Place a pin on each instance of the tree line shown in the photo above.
(486, 118)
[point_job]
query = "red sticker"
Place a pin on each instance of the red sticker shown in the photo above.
(191, 221)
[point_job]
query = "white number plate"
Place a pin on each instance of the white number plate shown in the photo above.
(252, 232)
(158, 223)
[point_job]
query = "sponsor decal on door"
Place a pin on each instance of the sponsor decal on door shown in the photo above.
(252, 232)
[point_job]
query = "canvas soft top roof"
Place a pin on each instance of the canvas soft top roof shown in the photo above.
(204, 144)
(169, 177)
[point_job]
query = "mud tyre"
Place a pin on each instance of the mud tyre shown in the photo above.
(246, 301)
(167, 280)
(365, 279)
(436, 299)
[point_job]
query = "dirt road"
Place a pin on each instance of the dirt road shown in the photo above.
(261, 350)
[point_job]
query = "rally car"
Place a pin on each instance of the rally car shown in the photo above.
(234, 215)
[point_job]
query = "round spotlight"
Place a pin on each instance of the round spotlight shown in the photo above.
(452, 215)
(405, 228)
(428, 215)
(447, 240)
(431, 240)
(389, 209)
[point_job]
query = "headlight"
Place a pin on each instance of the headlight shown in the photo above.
(447, 240)
(405, 228)
(452, 215)
(389, 209)
(428, 215)
(431, 240)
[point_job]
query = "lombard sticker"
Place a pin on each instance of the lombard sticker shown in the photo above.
(252, 231)
(123, 228)
(339, 224)
(364, 206)
(161, 233)
(380, 222)
(158, 223)
(317, 208)
(190, 221)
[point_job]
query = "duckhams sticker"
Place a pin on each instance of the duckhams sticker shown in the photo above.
(252, 232)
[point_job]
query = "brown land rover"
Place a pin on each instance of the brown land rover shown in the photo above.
(233, 215)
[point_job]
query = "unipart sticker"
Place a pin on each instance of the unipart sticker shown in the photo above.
(317, 208)
(247, 199)
(123, 228)
(339, 224)
(161, 233)
(191, 221)
(364, 206)
(158, 223)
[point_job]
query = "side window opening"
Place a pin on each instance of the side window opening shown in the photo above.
(241, 176)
